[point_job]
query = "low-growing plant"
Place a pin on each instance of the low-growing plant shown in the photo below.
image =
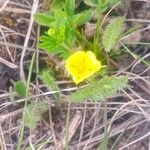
(20, 88)
(87, 61)
(33, 113)
(83, 58)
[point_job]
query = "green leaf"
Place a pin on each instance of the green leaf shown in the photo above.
(70, 6)
(62, 52)
(102, 5)
(82, 17)
(112, 33)
(46, 39)
(20, 88)
(113, 2)
(60, 16)
(33, 113)
(57, 4)
(50, 45)
(69, 37)
(43, 19)
(101, 2)
(47, 43)
(49, 80)
(92, 3)
(100, 90)
(60, 33)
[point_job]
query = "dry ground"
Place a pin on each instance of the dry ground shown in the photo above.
(129, 110)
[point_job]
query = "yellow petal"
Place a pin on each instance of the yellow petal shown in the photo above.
(82, 65)
(73, 63)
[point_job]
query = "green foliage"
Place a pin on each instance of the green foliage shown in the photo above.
(70, 7)
(101, 5)
(100, 90)
(33, 113)
(63, 36)
(112, 33)
(64, 22)
(113, 2)
(47, 43)
(92, 3)
(82, 17)
(49, 80)
(54, 43)
(20, 88)
(57, 4)
(43, 19)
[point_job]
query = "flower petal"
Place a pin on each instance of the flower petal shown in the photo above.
(82, 65)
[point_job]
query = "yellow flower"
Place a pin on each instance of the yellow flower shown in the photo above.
(82, 65)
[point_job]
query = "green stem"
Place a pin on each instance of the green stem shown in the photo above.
(104, 144)
(135, 56)
(105, 122)
(97, 38)
(64, 45)
(82, 37)
(67, 128)
(79, 35)
(21, 131)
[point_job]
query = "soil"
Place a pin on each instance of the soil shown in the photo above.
(133, 122)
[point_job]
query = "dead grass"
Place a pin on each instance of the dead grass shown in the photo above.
(128, 112)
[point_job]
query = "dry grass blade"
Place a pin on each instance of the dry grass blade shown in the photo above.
(8, 51)
(16, 10)
(128, 111)
(7, 63)
(82, 126)
(142, 1)
(4, 117)
(74, 124)
(2, 140)
(33, 11)
(4, 5)
(135, 141)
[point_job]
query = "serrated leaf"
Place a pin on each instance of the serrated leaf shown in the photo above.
(112, 33)
(47, 43)
(20, 88)
(43, 19)
(49, 80)
(50, 46)
(97, 91)
(46, 39)
(82, 17)
(33, 113)
(70, 6)
(57, 4)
